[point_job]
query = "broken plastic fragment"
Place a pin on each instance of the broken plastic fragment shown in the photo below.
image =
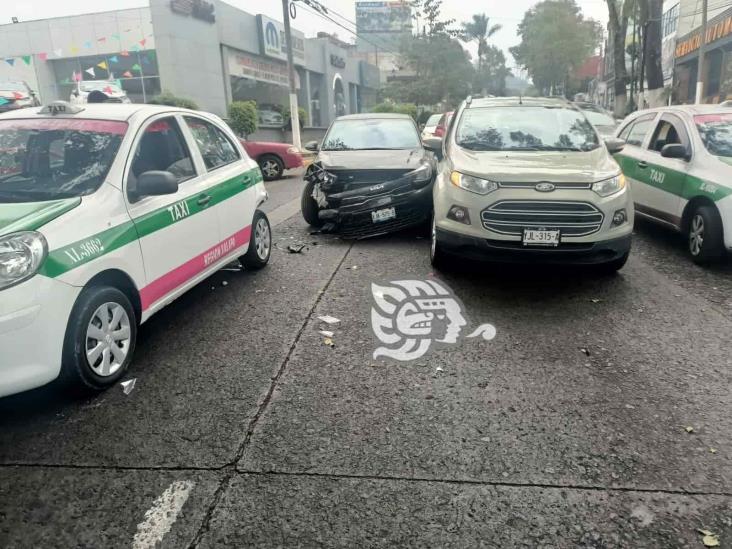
(296, 248)
(585, 351)
(689, 429)
(710, 539)
(326, 333)
(329, 319)
(329, 342)
(128, 385)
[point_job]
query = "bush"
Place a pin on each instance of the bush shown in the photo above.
(400, 108)
(302, 115)
(167, 98)
(243, 117)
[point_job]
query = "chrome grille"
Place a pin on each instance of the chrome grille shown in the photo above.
(531, 185)
(571, 218)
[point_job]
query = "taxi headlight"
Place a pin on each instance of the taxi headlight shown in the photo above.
(472, 183)
(609, 186)
(21, 255)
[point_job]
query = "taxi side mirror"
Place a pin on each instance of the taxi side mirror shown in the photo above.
(614, 145)
(675, 150)
(155, 183)
(434, 145)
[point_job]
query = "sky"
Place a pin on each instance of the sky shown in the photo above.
(507, 13)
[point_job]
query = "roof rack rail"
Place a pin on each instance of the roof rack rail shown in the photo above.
(470, 98)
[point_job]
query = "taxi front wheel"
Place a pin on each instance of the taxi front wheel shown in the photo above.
(704, 236)
(100, 339)
(260, 244)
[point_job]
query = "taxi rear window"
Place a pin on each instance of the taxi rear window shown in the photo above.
(47, 159)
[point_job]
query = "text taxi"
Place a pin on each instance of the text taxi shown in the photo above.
(107, 214)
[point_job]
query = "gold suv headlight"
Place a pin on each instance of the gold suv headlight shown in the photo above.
(472, 183)
(609, 186)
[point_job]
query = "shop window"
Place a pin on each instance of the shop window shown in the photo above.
(713, 66)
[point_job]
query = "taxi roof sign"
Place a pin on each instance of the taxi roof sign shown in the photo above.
(60, 107)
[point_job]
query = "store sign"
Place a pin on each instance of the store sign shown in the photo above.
(272, 41)
(198, 9)
(256, 68)
(715, 30)
(337, 61)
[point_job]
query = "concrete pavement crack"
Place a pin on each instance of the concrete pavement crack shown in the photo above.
(231, 467)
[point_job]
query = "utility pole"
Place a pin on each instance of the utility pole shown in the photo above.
(294, 118)
(700, 63)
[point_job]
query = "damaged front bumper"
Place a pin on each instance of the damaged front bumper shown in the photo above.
(375, 208)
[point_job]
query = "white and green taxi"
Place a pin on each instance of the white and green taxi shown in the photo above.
(109, 212)
(679, 164)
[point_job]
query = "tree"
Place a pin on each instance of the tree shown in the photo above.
(490, 76)
(479, 29)
(440, 71)
(430, 12)
(618, 27)
(555, 39)
(653, 51)
(243, 117)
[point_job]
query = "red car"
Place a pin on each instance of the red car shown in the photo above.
(273, 158)
(442, 125)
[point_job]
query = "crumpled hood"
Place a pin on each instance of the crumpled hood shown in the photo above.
(402, 159)
(554, 166)
(29, 216)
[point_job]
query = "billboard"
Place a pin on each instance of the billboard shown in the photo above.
(272, 40)
(382, 17)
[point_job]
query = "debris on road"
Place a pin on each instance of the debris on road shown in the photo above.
(329, 319)
(713, 450)
(585, 350)
(438, 369)
(595, 300)
(296, 248)
(224, 283)
(689, 429)
(710, 539)
(128, 385)
(329, 342)
(326, 333)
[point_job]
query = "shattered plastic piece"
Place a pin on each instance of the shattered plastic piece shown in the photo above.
(596, 300)
(224, 283)
(329, 342)
(354, 267)
(689, 429)
(128, 385)
(296, 248)
(710, 539)
(326, 333)
(329, 319)
(585, 350)
(713, 450)
(439, 369)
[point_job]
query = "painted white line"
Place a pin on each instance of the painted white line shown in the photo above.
(160, 517)
(284, 212)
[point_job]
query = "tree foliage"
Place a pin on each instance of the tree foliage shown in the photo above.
(429, 11)
(490, 75)
(555, 39)
(167, 98)
(243, 117)
(401, 108)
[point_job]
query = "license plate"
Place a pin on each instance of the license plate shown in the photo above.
(541, 237)
(383, 215)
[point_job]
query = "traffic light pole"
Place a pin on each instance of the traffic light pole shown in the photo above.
(294, 118)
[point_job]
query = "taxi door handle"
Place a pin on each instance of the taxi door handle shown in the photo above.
(245, 179)
(203, 200)
(642, 164)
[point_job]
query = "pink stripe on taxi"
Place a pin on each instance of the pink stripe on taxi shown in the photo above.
(180, 275)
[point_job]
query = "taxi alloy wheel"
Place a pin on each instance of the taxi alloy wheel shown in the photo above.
(705, 238)
(260, 245)
(108, 339)
(100, 339)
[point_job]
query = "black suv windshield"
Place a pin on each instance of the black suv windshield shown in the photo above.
(46, 159)
(371, 134)
(525, 128)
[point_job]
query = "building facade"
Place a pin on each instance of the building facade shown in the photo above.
(205, 50)
(717, 75)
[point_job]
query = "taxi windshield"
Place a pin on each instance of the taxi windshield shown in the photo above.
(715, 131)
(55, 158)
(525, 128)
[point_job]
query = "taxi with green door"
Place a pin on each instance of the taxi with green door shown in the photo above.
(678, 161)
(109, 212)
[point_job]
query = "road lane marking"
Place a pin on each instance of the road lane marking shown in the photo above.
(160, 517)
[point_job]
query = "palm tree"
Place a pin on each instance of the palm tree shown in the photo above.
(480, 30)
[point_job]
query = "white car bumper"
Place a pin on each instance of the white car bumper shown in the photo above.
(725, 212)
(33, 319)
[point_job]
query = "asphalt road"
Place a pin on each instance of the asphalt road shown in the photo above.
(568, 429)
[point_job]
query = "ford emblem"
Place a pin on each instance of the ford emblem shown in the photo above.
(545, 187)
